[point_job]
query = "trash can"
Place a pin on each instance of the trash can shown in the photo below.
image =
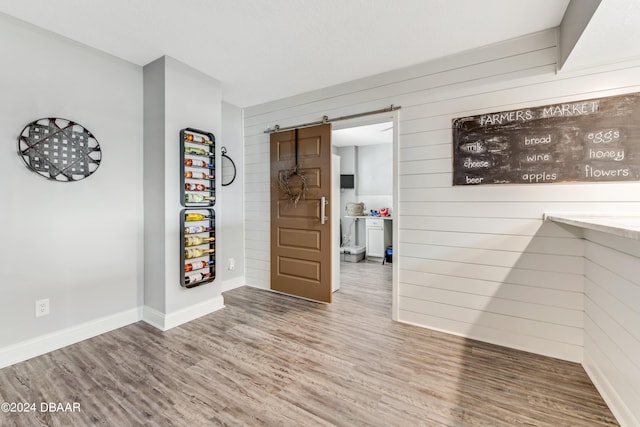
(388, 254)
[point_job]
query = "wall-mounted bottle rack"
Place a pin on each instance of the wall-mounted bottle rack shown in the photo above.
(197, 168)
(197, 247)
(198, 196)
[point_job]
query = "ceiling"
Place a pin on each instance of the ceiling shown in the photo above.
(613, 35)
(380, 133)
(262, 50)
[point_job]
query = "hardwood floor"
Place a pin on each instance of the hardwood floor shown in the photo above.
(269, 359)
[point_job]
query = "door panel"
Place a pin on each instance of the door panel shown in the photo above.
(299, 239)
(300, 244)
(304, 209)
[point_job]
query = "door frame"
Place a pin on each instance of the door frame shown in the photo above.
(393, 117)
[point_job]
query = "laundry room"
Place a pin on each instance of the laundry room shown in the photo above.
(366, 192)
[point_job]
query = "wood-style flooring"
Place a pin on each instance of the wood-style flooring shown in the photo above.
(273, 360)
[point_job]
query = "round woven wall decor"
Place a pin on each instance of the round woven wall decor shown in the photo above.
(59, 149)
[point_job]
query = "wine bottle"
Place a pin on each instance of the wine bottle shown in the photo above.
(197, 151)
(197, 175)
(195, 217)
(189, 137)
(195, 229)
(197, 252)
(197, 198)
(195, 187)
(198, 163)
(197, 265)
(197, 240)
(193, 278)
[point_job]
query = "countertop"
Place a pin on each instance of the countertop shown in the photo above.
(620, 225)
(368, 217)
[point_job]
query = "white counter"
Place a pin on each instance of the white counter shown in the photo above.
(369, 217)
(619, 225)
(611, 326)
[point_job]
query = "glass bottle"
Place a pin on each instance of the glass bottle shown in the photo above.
(197, 175)
(194, 229)
(198, 163)
(197, 240)
(197, 265)
(197, 151)
(195, 187)
(195, 217)
(197, 252)
(193, 278)
(189, 137)
(197, 198)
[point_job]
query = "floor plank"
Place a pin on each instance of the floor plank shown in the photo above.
(269, 359)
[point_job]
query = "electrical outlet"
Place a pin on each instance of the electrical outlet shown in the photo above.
(232, 264)
(42, 307)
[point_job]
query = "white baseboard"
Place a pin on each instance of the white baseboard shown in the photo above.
(265, 286)
(153, 317)
(165, 322)
(620, 410)
(38, 346)
(230, 284)
(28, 349)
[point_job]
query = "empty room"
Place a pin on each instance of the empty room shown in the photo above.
(336, 213)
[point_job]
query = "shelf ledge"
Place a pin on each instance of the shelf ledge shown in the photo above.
(369, 217)
(620, 225)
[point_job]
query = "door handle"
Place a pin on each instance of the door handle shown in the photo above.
(323, 210)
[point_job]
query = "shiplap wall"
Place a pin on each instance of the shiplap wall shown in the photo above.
(612, 321)
(473, 260)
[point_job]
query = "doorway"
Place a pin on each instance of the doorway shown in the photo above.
(368, 180)
(292, 265)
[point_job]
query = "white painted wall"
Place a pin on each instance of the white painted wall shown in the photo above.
(348, 195)
(474, 261)
(372, 167)
(190, 99)
(612, 321)
(374, 171)
(78, 244)
(374, 183)
(231, 207)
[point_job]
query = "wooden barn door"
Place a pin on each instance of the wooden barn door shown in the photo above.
(301, 230)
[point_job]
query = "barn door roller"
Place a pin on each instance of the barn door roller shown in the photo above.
(326, 119)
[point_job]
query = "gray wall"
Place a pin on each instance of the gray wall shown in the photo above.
(80, 243)
(154, 167)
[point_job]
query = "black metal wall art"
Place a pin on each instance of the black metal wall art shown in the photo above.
(59, 149)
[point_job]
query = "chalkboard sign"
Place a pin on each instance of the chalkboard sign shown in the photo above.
(592, 140)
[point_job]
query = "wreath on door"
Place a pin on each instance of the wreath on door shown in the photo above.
(293, 182)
